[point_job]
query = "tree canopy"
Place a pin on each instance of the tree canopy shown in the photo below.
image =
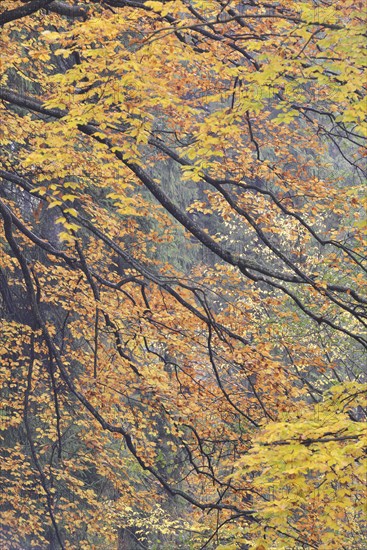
(182, 274)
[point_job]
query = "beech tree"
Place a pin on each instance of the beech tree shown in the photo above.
(182, 274)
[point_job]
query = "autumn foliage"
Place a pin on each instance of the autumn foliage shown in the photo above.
(183, 274)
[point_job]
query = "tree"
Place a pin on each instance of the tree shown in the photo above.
(182, 274)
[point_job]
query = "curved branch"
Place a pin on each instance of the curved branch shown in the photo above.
(23, 11)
